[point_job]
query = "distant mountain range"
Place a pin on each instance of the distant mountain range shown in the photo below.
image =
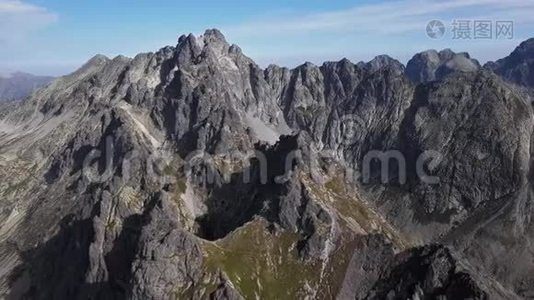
(18, 86)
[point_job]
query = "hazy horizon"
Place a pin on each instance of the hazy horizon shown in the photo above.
(56, 37)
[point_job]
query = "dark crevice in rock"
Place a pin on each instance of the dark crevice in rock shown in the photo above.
(282, 200)
(428, 272)
(119, 260)
(232, 204)
(56, 269)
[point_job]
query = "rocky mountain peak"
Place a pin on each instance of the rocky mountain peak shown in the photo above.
(431, 65)
(384, 61)
(518, 67)
(525, 49)
(214, 36)
(212, 39)
(97, 60)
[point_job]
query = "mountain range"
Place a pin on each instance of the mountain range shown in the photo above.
(18, 86)
(193, 173)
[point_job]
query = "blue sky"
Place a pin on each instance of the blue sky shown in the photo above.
(57, 36)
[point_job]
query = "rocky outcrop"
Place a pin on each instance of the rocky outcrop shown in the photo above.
(432, 65)
(425, 273)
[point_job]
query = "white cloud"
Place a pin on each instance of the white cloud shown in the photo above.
(362, 31)
(17, 7)
(19, 19)
(383, 18)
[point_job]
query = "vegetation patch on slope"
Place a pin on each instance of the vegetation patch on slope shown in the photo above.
(354, 211)
(262, 264)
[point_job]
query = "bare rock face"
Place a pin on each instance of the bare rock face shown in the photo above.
(432, 65)
(427, 272)
(383, 61)
(192, 172)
